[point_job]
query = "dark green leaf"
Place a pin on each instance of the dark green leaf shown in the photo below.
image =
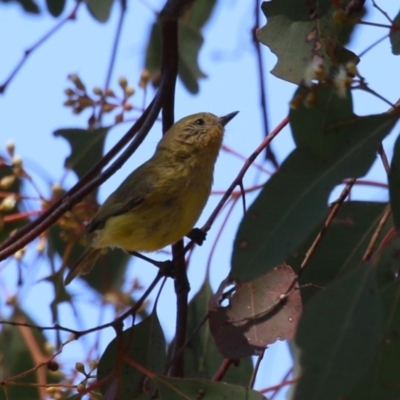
(108, 271)
(184, 389)
(198, 13)
(17, 344)
(299, 31)
(86, 148)
(55, 7)
(341, 248)
(145, 344)
(338, 336)
(395, 36)
(381, 381)
(28, 5)
(294, 200)
(202, 358)
(394, 184)
(100, 9)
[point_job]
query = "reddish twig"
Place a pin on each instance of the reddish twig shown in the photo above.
(222, 370)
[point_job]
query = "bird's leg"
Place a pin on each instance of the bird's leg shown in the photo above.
(197, 235)
(166, 267)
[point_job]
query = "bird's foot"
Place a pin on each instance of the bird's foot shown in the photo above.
(197, 235)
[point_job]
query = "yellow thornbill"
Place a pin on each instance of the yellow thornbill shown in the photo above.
(159, 202)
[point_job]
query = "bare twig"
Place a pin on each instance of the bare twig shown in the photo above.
(328, 221)
(30, 50)
(256, 368)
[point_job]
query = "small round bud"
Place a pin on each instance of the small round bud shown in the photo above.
(7, 181)
(8, 203)
(119, 118)
(144, 78)
(10, 146)
(53, 366)
(109, 93)
(69, 92)
(123, 82)
(80, 387)
(128, 107)
(58, 395)
(18, 255)
(57, 189)
(93, 365)
(51, 390)
(107, 107)
(129, 91)
(97, 91)
(80, 367)
(16, 162)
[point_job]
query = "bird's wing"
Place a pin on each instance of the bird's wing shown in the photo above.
(130, 195)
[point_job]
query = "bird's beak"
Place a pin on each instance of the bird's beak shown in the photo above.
(226, 118)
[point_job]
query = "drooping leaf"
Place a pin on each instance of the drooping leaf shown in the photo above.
(184, 389)
(380, 382)
(145, 344)
(18, 347)
(202, 358)
(28, 5)
(394, 184)
(298, 32)
(341, 248)
(256, 315)
(294, 200)
(55, 7)
(395, 35)
(86, 148)
(190, 40)
(99, 9)
(338, 336)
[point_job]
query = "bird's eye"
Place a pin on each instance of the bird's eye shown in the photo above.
(199, 121)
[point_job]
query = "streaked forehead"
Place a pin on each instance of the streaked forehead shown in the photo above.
(208, 118)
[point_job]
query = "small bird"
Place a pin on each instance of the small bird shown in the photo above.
(159, 203)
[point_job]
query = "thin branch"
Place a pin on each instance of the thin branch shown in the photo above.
(113, 56)
(270, 155)
(222, 370)
(256, 368)
(332, 214)
(30, 50)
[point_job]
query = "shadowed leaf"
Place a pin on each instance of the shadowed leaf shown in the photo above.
(145, 344)
(55, 7)
(99, 9)
(338, 336)
(395, 36)
(256, 315)
(394, 184)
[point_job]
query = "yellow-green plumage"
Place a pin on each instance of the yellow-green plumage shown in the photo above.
(159, 202)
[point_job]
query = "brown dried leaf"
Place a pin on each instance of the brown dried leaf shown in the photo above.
(260, 312)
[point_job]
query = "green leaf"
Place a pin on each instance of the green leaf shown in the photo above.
(338, 336)
(17, 344)
(108, 271)
(394, 184)
(28, 5)
(184, 389)
(190, 41)
(99, 9)
(395, 36)
(202, 358)
(145, 344)
(341, 248)
(55, 7)
(86, 148)
(381, 381)
(297, 32)
(294, 200)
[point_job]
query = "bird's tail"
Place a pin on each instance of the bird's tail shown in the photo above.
(84, 264)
